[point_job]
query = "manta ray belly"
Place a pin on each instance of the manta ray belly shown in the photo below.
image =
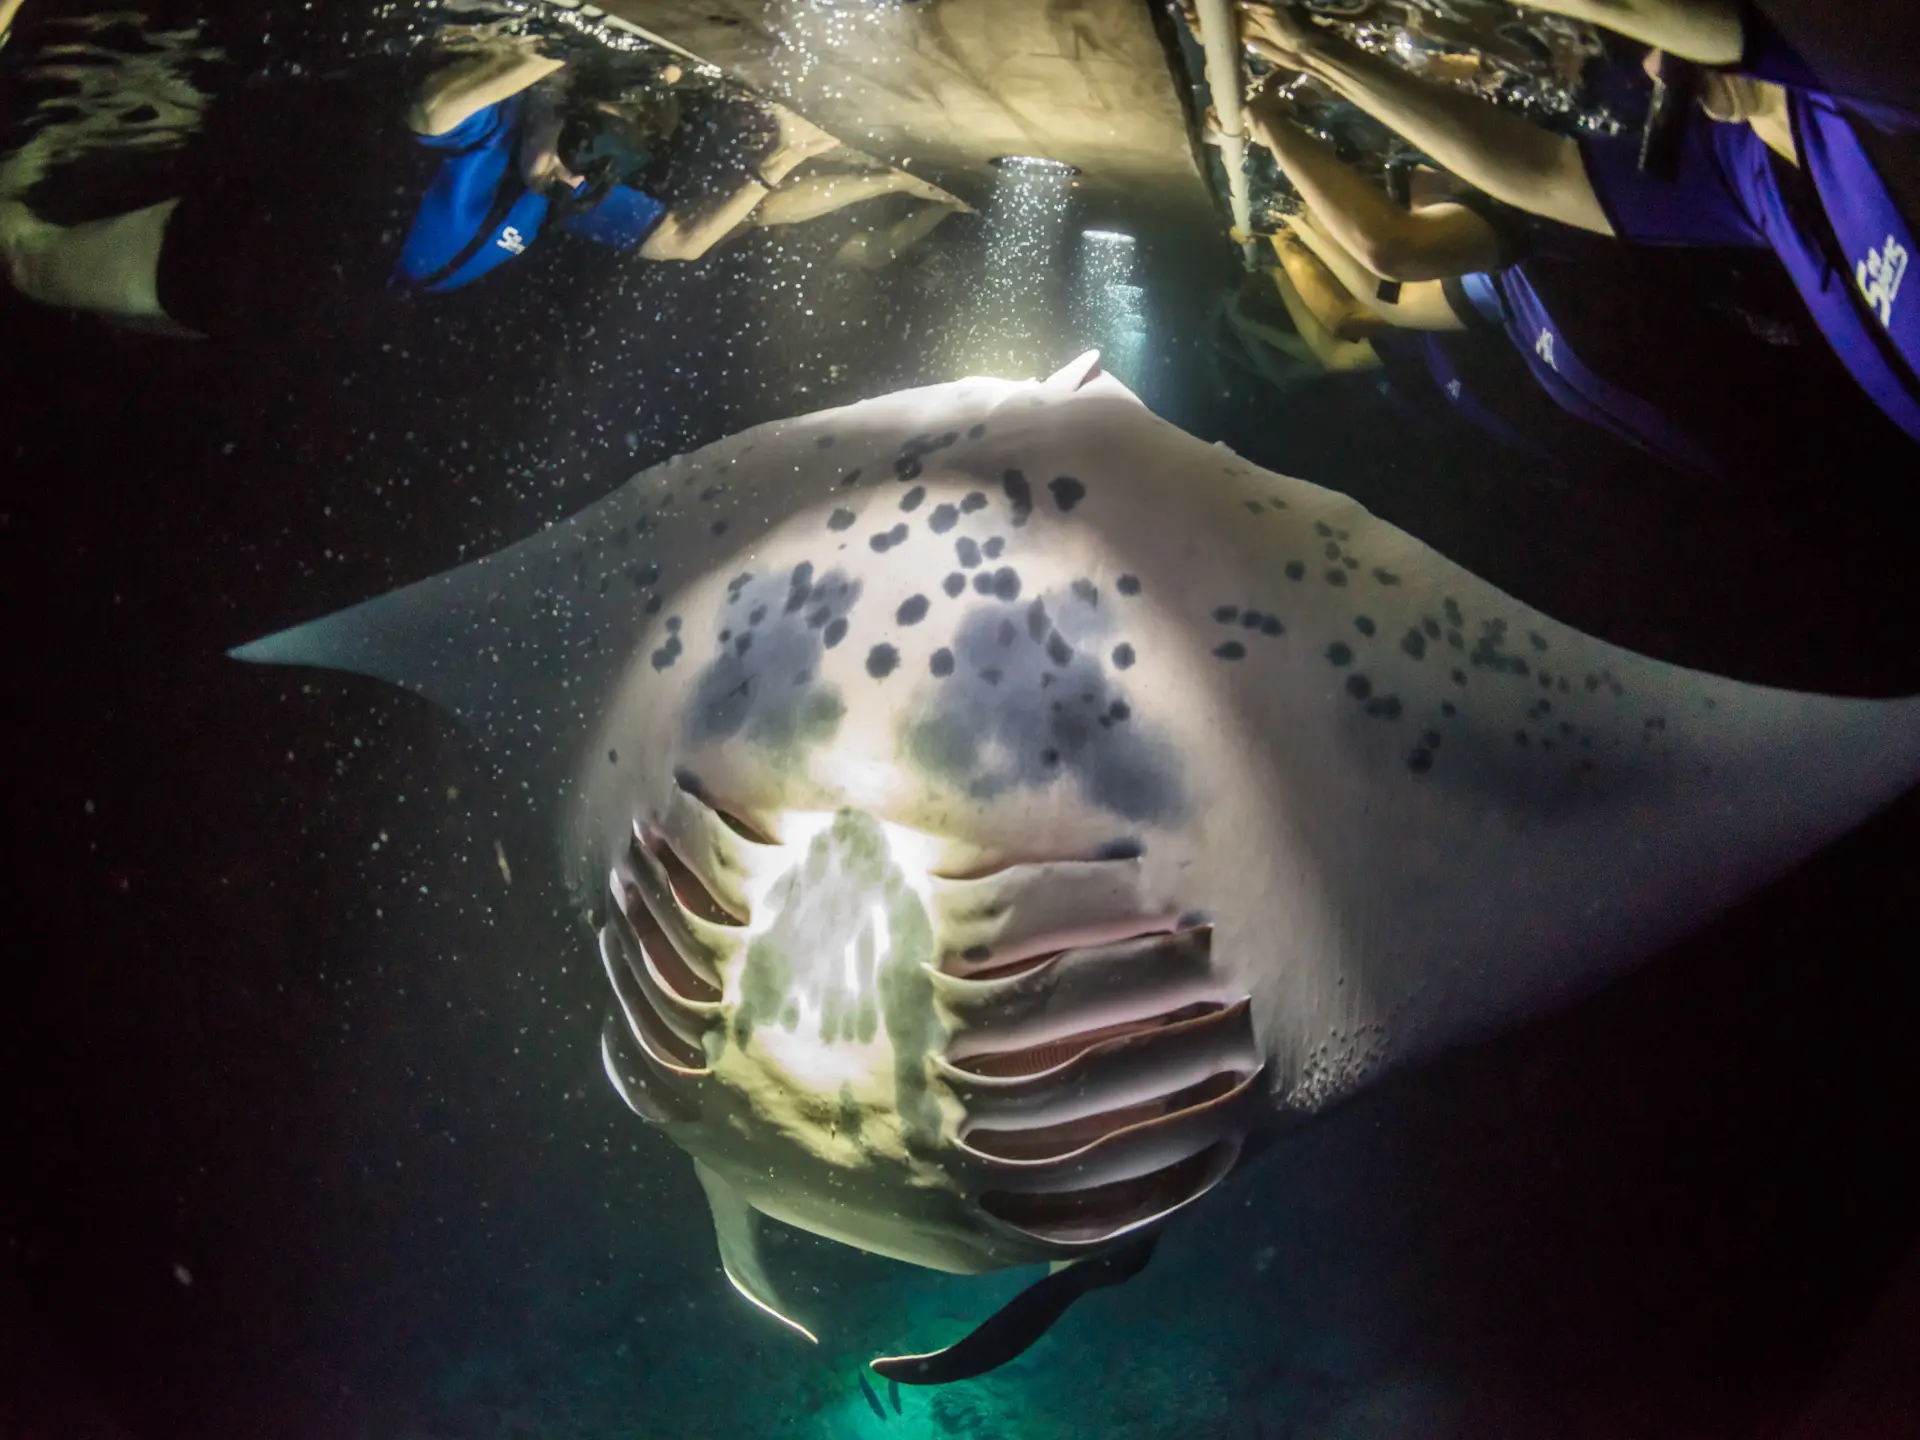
(1006, 798)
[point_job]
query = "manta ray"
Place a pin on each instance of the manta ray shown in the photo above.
(1004, 809)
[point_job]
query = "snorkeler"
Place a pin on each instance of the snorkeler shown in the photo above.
(531, 145)
(1768, 159)
(654, 168)
(1596, 328)
(534, 145)
(1451, 378)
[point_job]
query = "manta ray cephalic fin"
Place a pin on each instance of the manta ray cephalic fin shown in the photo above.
(1083, 369)
(736, 1225)
(1011, 1330)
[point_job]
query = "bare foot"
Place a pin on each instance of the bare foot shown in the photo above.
(906, 183)
(799, 141)
(19, 228)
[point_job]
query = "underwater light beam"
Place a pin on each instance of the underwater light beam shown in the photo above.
(1014, 328)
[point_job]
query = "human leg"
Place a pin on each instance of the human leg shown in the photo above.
(872, 249)
(801, 199)
(107, 267)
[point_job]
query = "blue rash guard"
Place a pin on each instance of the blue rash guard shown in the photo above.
(1832, 223)
(478, 186)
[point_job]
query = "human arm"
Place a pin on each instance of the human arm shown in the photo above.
(1432, 243)
(1422, 305)
(1708, 32)
(461, 90)
(1322, 311)
(1504, 154)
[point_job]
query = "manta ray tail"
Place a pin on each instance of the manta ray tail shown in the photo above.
(1010, 1330)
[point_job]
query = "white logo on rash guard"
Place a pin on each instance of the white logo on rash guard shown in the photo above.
(1543, 347)
(1879, 277)
(1453, 388)
(510, 240)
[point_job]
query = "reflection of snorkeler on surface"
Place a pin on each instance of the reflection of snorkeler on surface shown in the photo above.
(1768, 160)
(666, 172)
(1633, 341)
(265, 244)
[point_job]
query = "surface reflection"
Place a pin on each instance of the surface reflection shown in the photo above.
(1446, 910)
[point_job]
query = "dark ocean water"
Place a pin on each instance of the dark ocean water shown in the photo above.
(310, 1136)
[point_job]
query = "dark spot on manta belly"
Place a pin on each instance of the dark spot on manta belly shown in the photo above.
(885, 541)
(1019, 495)
(1067, 492)
(1002, 584)
(972, 501)
(1022, 714)
(1123, 656)
(1232, 650)
(840, 520)
(1128, 585)
(882, 661)
(748, 690)
(912, 610)
(954, 583)
(910, 501)
(942, 663)
(836, 631)
(968, 551)
(942, 519)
